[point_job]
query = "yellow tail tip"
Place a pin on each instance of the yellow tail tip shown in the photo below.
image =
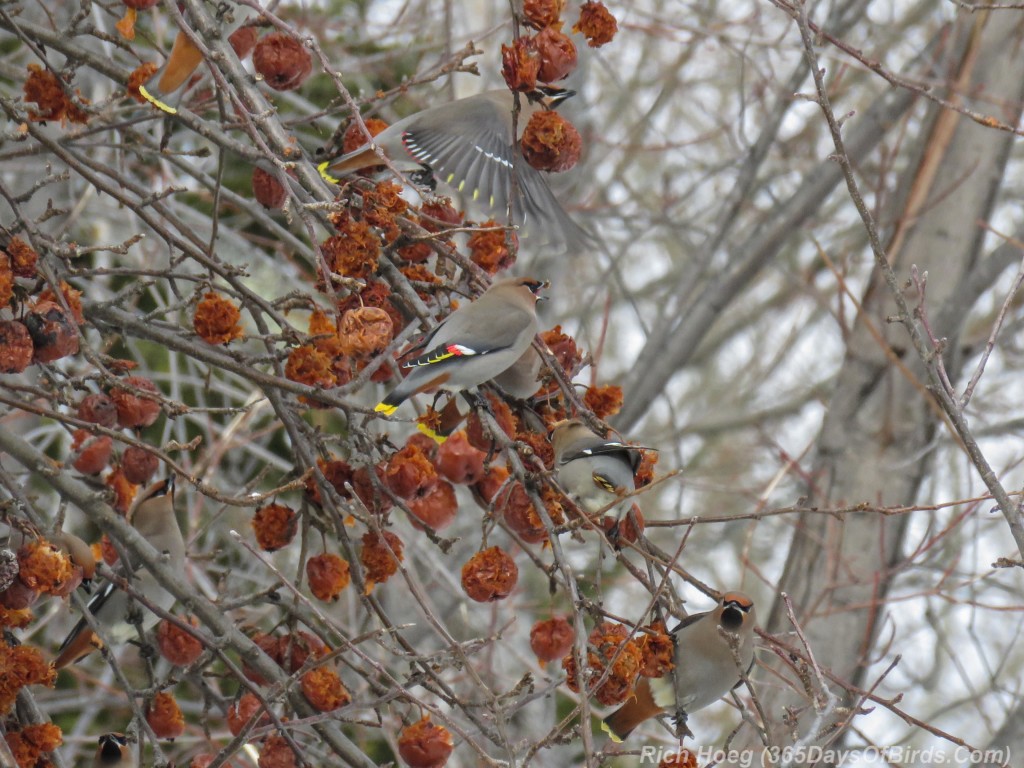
(156, 102)
(384, 408)
(607, 729)
(323, 168)
(435, 436)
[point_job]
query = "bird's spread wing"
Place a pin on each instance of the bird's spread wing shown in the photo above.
(478, 162)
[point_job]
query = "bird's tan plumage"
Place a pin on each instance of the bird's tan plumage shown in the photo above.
(473, 344)
(152, 515)
(705, 667)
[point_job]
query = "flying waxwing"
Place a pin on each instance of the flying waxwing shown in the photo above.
(474, 343)
(152, 515)
(705, 668)
(112, 751)
(593, 471)
(468, 144)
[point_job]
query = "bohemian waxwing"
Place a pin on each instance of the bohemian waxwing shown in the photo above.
(474, 343)
(112, 751)
(593, 471)
(152, 515)
(468, 144)
(705, 667)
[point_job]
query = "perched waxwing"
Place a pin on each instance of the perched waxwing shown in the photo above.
(112, 751)
(593, 471)
(474, 343)
(468, 144)
(184, 59)
(705, 667)
(152, 515)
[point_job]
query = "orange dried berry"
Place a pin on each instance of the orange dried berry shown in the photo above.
(324, 690)
(550, 142)
(489, 575)
(645, 472)
(92, 452)
(14, 618)
(603, 401)
(282, 61)
(6, 280)
(275, 526)
(244, 709)
(563, 348)
(625, 531)
(380, 207)
(164, 716)
(365, 332)
(53, 333)
(72, 297)
(139, 465)
(124, 490)
(23, 258)
(489, 250)
(367, 488)
(179, 647)
(417, 252)
(438, 214)
(596, 23)
(658, 651)
(515, 506)
(23, 665)
(540, 446)
(308, 365)
(276, 753)
(520, 64)
(295, 649)
(268, 191)
(542, 13)
(487, 488)
(353, 252)
(374, 295)
(425, 745)
(328, 574)
(29, 744)
(44, 90)
(43, 567)
(551, 639)
(355, 138)
(557, 54)
(17, 596)
(436, 508)
(409, 473)
(479, 436)
(216, 320)
(380, 556)
(141, 75)
(243, 41)
(684, 758)
(458, 461)
(608, 641)
(136, 409)
(98, 409)
(16, 348)
(337, 472)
